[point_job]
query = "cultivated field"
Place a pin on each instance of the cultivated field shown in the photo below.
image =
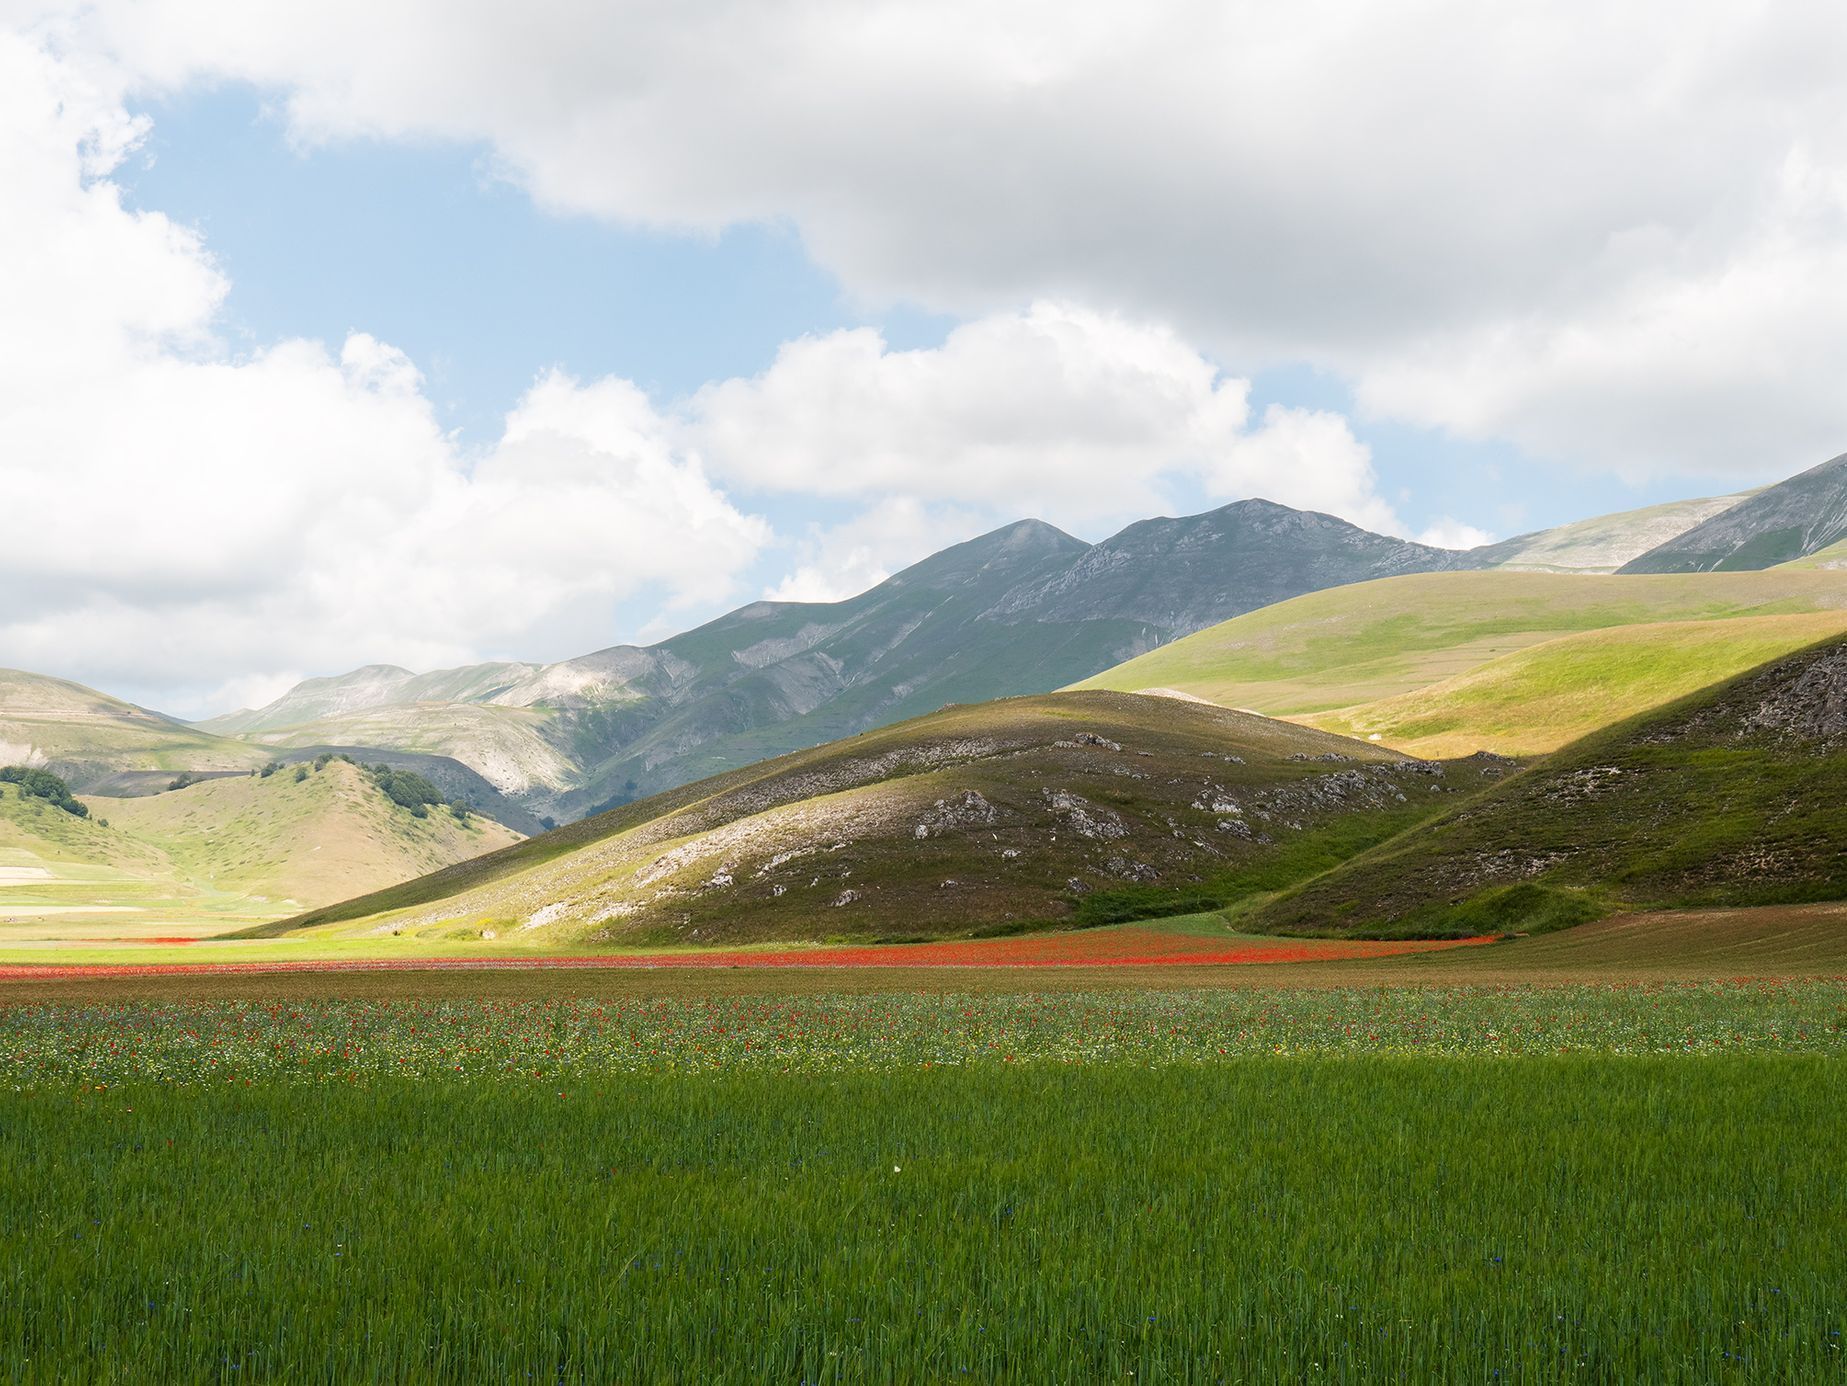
(1198, 1186)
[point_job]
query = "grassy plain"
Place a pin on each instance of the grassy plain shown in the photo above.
(1062, 1189)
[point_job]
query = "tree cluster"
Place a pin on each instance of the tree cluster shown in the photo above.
(42, 784)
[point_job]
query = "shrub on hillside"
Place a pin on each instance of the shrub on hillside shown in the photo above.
(407, 789)
(42, 784)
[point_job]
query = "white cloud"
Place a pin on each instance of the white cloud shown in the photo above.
(838, 561)
(180, 517)
(1448, 533)
(202, 524)
(1072, 416)
(1608, 233)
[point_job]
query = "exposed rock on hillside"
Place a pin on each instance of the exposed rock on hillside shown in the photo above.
(1026, 810)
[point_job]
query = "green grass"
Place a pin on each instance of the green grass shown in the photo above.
(1419, 659)
(1262, 1219)
(1537, 699)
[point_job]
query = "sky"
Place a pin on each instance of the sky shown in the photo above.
(333, 334)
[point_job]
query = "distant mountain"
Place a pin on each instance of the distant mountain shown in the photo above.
(1790, 520)
(1603, 543)
(1023, 609)
(86, 736)
(102, 745)
(376, 685)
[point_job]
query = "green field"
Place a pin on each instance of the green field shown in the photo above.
(1007, 1188)
(1444, 664)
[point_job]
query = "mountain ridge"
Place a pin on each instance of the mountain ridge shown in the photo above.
(1019, 609)
(1790, 520)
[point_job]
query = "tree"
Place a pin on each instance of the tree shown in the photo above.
(42, 784)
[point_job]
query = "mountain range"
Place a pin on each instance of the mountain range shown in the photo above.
(1024, 609)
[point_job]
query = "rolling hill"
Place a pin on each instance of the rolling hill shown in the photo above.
(1729, 797)
(1790, 520)
(104, 746)
(1081, 807)
(1024, 609)
(86, 737)
(217, 854)
(1516, 663)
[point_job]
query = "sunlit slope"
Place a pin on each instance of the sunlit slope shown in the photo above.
(505, 745)
(216, 855)
(64, 878)
(87, 736)
(1732, 796)
(1365, 658)
(1062, 807)
(299, 842)
(1535, 700)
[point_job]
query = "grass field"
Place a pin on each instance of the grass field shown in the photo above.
(1002, 1188)
(1449, 663)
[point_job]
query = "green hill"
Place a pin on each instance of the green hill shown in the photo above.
(216, 854)
(1729, 797)
(86, 737)
(1517, 663)
(1065, 807)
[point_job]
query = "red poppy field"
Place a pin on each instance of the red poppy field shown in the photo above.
(1120, 947)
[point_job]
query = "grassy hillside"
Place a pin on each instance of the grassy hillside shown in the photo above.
(1729, 797)
(216, 855)
(1073, 807)
(87, 736)
(1831, 559)
(1424, 661)
(506, 746)
(1534, 700)
(303, 841)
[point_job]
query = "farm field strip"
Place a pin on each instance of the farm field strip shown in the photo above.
(1131, 947)
(348, 1041)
